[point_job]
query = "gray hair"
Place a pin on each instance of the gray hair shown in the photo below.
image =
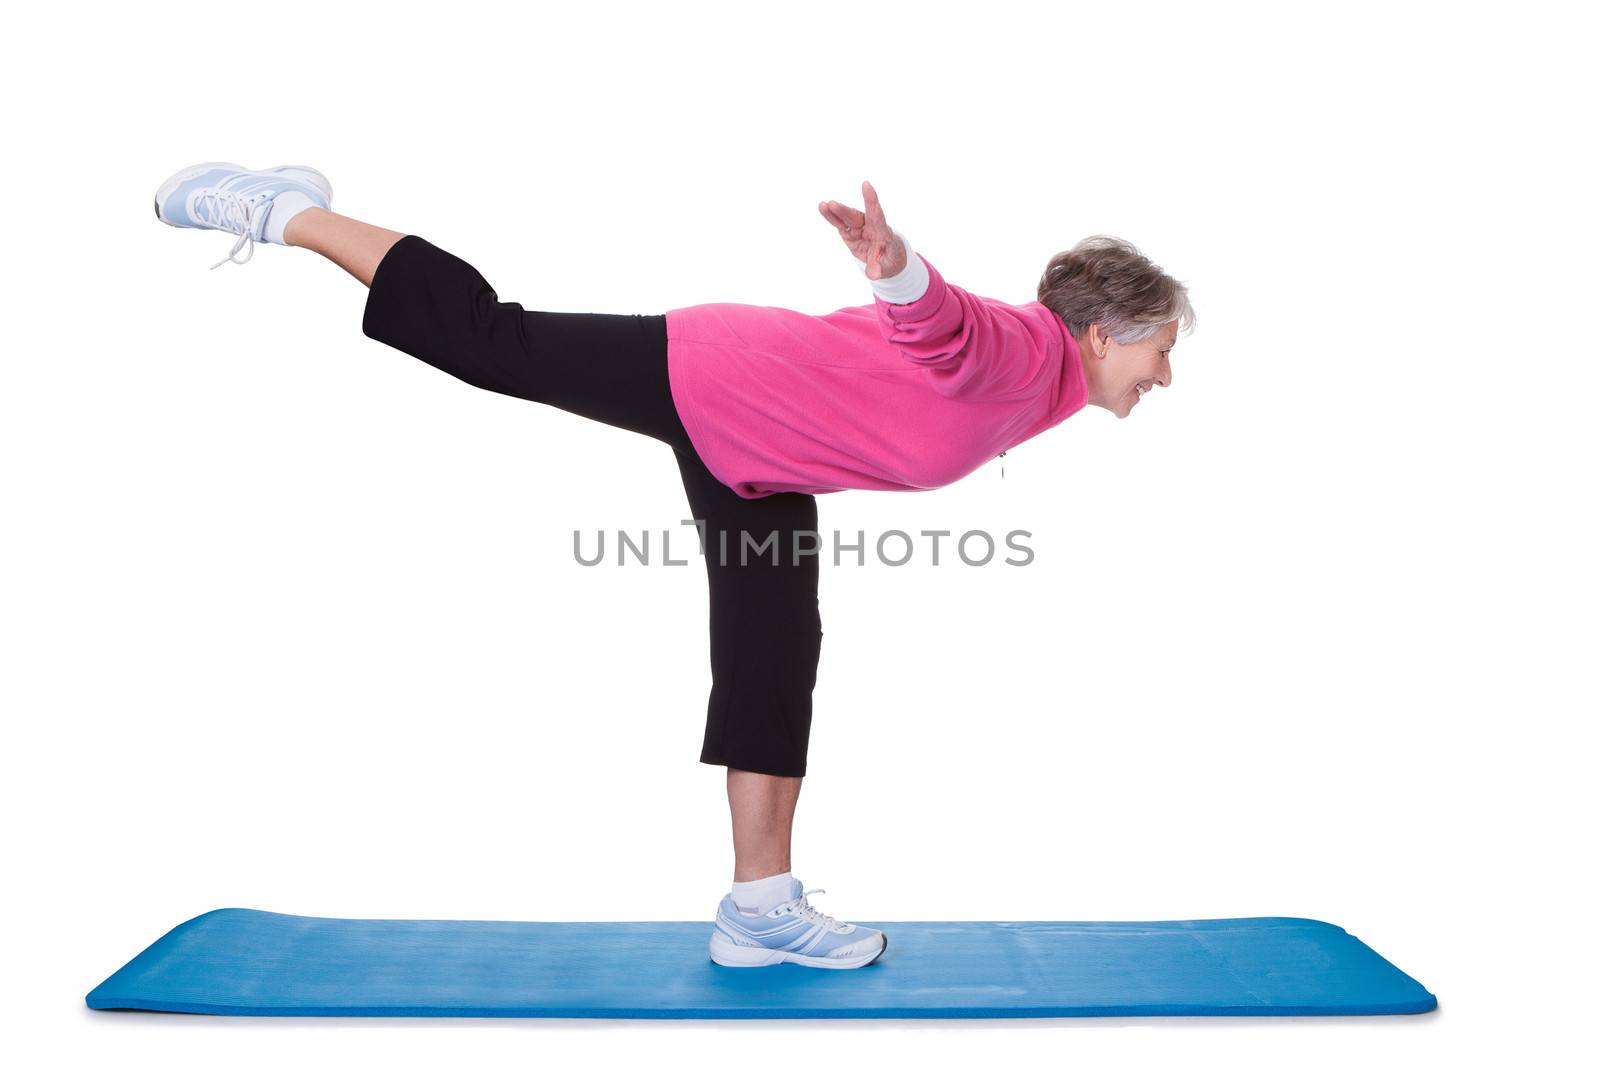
(1106, 281)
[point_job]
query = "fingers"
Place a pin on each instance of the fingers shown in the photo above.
(846, 219)
(869, 196)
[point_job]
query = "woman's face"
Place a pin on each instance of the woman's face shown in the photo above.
(1120, 373)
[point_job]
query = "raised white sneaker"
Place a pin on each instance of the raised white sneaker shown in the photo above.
(226, 196)
(794, 931)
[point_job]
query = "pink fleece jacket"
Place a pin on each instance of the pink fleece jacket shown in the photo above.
(873, 397)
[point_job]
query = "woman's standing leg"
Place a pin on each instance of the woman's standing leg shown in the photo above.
(762, 565)
(762, 807)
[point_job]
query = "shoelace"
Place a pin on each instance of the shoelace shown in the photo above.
(804, 908)
(227, 210)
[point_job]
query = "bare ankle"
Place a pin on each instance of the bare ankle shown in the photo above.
(300, 229)
(755, 871)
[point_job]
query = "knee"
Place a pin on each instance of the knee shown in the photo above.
(787, 641)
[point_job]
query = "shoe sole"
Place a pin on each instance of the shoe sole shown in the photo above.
(727, 953)
(189, 173)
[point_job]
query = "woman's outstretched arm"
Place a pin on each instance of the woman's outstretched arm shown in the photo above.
(973, 347)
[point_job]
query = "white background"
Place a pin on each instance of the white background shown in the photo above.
(291, 620)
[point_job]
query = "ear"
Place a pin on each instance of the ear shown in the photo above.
(1098, 341)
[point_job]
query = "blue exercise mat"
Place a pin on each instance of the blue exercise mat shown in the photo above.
(245, 962)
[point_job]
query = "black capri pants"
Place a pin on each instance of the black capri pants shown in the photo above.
(766, 626)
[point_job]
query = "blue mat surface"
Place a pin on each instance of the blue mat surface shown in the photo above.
(246, 962)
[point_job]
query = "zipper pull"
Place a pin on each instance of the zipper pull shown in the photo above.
(1003, 464)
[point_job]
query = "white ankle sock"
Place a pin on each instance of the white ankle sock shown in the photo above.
(285, 206)
(762, 895)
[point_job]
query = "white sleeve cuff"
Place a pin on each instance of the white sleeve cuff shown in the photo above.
(909, 284)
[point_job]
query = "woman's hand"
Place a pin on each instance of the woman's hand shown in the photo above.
(867, 235)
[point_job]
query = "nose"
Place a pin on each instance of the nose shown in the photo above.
(1164, 377)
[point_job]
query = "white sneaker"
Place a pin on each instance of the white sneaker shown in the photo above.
(794, 931)
(226, 196)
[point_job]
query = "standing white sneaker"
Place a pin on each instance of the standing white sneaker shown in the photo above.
(255, 205)
(792, 931)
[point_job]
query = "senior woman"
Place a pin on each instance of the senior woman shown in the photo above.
(764, 408)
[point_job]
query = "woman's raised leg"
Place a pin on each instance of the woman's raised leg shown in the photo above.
(355, 246)
(610, 367)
